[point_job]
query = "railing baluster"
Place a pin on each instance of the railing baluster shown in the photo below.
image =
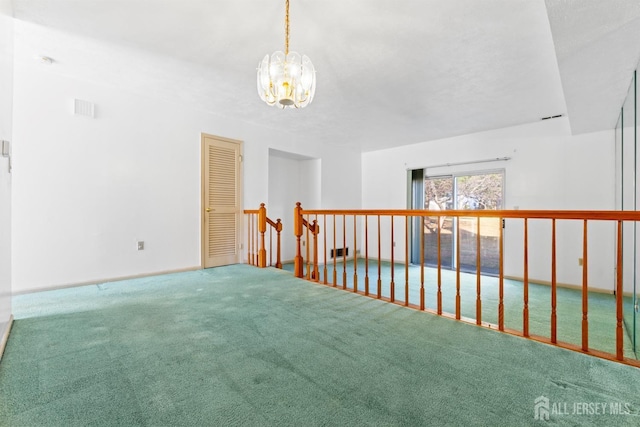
(249, 217)
(393, 246)
(270, 246)
(344, 252)
(250, 240)
(335, 256)
(421, 263)
(439, 267)
(458, 267)
(316, 229)
(366, 255)
(379, 262)
(501, 279)
(324, 223)
(525, 310)
(306, 218)
(262, 228)
(406, 260)
(278, 244)
(256, 248)
(585, 291)
(478, 299)
(554, 294)
(619, 297)
(355, 257)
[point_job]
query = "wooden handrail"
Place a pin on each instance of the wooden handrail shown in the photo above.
(306, 221)
(517, 214)
(257, 222)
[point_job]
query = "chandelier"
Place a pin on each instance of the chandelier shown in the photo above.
(286, 79)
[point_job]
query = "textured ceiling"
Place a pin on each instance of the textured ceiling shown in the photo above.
(598, 46)
(389, 72)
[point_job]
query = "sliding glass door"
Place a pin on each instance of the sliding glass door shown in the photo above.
(439, 196)
(479, 191)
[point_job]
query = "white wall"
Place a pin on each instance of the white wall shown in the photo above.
(284, 192)
(549, 169)
(85, 190)
(6, 109)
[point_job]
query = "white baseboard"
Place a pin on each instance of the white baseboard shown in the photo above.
(560, 285)
(110, 279)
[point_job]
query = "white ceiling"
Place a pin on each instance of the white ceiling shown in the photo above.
(388, 72)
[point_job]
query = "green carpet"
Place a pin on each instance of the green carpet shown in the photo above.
(240, 345)
(602, 307)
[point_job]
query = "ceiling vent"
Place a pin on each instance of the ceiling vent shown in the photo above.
(83, 108)
(551, 117)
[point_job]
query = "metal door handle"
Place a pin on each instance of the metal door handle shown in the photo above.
(209, 209)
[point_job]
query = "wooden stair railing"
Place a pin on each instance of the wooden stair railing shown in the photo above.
(396, 224)
(257, 221)
(277, 226)
(300, 222)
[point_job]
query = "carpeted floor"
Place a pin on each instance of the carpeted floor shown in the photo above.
(239, 345)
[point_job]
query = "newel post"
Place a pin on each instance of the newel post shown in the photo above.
(262, 227)
(297, 230)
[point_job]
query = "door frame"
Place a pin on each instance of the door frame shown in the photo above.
(240, 228)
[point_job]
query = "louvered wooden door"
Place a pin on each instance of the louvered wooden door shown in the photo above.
(221, 201)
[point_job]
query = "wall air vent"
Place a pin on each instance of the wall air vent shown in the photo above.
(551, 117)
(83, 108)
(340, 252)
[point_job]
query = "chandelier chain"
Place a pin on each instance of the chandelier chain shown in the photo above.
(286, 29)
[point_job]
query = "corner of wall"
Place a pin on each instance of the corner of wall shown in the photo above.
(6, 133)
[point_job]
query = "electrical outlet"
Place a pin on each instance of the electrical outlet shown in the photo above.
(580, 261)
(140, 245)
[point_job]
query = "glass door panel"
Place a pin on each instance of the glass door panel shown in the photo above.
(479, 192)
(629, 202)
(438, 197)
